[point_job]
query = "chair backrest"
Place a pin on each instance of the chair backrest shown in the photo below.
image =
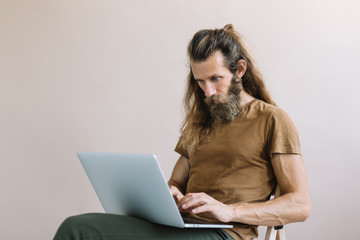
(275, 232)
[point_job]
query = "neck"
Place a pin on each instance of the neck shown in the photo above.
(245, 98)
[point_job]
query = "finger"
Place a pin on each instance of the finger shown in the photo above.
(200, 209)
(177, 195)
(192, 201)
(174, 190)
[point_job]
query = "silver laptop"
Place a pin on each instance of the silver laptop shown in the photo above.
(134, 185)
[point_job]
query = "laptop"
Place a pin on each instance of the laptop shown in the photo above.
(134, 185)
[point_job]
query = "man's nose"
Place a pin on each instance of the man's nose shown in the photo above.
(209, 90)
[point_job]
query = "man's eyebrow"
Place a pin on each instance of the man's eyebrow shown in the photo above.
(214, 75)
(217, 75)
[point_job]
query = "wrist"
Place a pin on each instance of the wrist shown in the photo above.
(235, 212)
(231, 212)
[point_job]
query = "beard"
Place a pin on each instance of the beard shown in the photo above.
(224, 109)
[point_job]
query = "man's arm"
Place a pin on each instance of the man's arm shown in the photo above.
(292, 206)
(180, 175)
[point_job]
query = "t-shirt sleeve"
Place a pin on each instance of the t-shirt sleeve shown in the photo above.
(283, 136)
(180, 149)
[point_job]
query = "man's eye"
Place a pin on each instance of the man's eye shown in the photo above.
(215, 79)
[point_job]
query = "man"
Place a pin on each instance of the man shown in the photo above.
(235, 147)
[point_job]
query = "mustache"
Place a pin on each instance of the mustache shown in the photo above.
(216, 99)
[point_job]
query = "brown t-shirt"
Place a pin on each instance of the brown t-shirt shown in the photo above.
(235, 165)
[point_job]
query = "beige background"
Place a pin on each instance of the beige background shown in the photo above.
(92, 75)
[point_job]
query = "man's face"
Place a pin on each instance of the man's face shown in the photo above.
(217, 82)
(212, 76)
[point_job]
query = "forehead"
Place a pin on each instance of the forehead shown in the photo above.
(213, 65)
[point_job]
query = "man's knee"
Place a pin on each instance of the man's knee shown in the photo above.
(73, 227)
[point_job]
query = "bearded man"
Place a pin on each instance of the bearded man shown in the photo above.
(235, 147)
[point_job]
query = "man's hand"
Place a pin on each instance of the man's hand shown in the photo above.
(176, 194)
(205, 206)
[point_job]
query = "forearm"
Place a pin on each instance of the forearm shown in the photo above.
(180, 174)
(290, 207)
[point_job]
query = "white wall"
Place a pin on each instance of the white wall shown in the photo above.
(93, 75)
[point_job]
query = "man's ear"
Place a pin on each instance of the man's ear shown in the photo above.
(241, 68)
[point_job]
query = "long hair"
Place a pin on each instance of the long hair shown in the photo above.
(197, 124)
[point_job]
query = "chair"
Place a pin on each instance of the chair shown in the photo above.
(275, 232)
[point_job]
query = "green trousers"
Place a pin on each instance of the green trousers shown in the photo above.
(96, 226)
